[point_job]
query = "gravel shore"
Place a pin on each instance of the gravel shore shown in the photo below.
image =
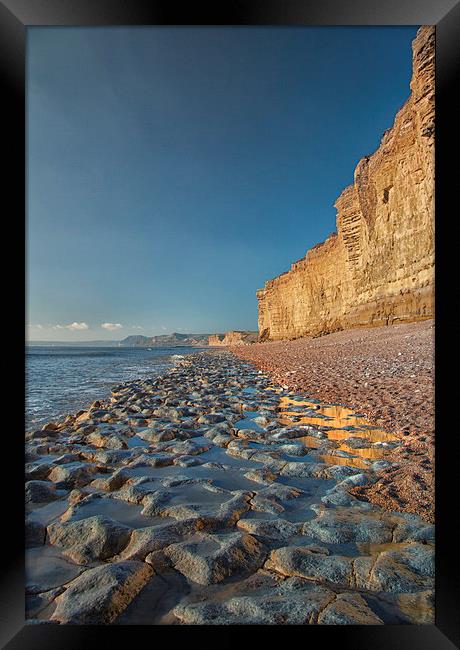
(386, 373)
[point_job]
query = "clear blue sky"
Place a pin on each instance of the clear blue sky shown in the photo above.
(172, 171)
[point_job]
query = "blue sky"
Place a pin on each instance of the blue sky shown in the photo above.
(172, 171)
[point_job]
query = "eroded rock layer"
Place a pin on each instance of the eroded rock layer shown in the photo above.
(379, 266)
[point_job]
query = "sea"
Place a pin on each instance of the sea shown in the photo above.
(62, 380)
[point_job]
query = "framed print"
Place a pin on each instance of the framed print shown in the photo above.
(235, 236)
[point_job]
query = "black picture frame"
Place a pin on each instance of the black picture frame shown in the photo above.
(15, 17)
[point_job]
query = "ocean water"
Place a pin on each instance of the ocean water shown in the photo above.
(61, 380)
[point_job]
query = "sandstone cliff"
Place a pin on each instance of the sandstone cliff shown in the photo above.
(234, 337)
(379, 266)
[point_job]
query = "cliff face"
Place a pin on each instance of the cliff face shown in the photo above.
(215, 339)
(379, 267)
(234, 337)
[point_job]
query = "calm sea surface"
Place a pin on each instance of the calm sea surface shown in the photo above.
(61, 380)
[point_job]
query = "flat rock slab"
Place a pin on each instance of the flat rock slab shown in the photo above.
(405, 571)
(111, 482)
(211, 418)
(419, 608)
(303, 562)
(265, 602)
(153, 538)
(348, 609)
(35, 603)
(208, 559)
(101, 594)
(214, 509)
(76, 474)
(38, 471)
(270, 529)
(35, 533)
(187, 447)
(90, 539)
(337, 527)
(40, 492)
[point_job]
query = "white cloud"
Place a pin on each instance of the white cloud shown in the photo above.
(136, 327)
(37, 326)
(77, 326)
(72, 326)
(111, 326)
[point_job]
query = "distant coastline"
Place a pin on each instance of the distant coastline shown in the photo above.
(71, 344)
(175, 339)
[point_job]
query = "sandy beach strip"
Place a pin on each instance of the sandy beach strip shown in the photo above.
(386, 373)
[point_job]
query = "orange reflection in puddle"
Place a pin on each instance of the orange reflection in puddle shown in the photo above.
(329, 459)
(336, 417)
(310, 441)
(369, 452)
(371, 548)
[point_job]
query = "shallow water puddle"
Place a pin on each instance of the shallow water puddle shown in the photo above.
(369, 453)
(47, 567)
(45, 514)
(249, 424)
(195, 494)
(330, 459)
(228, 479)
(366, 548)
(125, 513)
(343, 423)
(136, 441)
(156, 600)
(250, 414)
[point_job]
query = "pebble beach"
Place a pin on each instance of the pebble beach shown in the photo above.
(387, 373)
(217, 494)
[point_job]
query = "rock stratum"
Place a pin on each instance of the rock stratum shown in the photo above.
(379, 266)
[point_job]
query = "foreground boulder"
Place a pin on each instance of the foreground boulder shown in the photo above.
(397, 571)
(39, 492)
(212, 558)
(73, 474)
(154, 538)
(308, 563)
(99, 595)
(337, 527)
(272, 529)
(348, 609)
(265, 602)
(35, 533)
(93, 538)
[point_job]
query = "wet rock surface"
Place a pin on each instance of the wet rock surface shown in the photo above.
(209, 495)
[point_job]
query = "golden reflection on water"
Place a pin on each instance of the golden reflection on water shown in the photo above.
(329, 459)
(336, 417)
(371, 453)
(310, 441)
